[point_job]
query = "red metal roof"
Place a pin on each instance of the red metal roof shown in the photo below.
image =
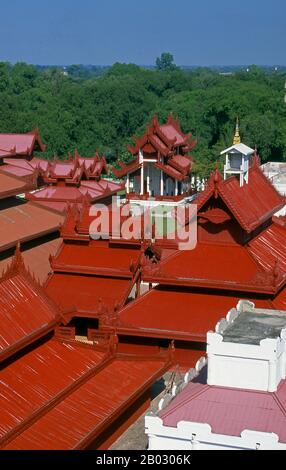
(246, 204)
(269, 248)
(229, 411)
(212, 265)
(40, 379)
(11, 185)
(165, 139)
(21, 144)
(90, 295)
(80, 417)
(26, 313)
(171, 171)
(37, 258)
(177, 313)
(99, 258)
(59, 196)
(23, 221)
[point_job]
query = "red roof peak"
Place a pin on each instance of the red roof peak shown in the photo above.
(17, 266)
(244, 202)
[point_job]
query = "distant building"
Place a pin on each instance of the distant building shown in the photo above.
(276, 172)
(238, 159)
(21, 145)
(237, 401)
(162, 165)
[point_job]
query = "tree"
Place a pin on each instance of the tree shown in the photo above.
(165, 62)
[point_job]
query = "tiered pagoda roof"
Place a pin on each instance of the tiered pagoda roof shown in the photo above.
(73, 180)
(166, 140)
(100, 273)
(223, 267)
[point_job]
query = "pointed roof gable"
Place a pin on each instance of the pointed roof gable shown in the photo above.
(21, 144)
(26, 312)
(239, 148)
(165, 137)
(251, 205)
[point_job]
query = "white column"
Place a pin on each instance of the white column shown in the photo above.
(128, 183)
(176, 188)
(148, 180)
(142, 179)
(162, 184)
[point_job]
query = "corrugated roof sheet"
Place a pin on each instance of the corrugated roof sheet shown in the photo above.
(25, 312)
(22, 144)
(32, 382)
(22, 221)
(269, 247)
(36, 259)
(98, 258)
(73, 422)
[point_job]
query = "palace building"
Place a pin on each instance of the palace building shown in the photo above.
(162, 165)
(90, 323)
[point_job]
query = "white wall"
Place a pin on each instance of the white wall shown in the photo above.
(199, 436)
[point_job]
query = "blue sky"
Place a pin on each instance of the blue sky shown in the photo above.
(196, 32)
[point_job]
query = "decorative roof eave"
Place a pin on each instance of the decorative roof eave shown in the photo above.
(175, 174)
(8, 153)
(38, 140)
(181, 169)
(87, 270)
(127, 168)
(252, 286)
(215, 187)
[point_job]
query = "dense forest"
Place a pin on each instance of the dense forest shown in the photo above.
(103, 110)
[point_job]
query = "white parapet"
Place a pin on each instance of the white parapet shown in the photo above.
(244, 365)
(199, 436)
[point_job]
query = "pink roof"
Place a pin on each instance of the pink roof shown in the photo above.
(22, 144)
(229, 411)
(172, 133)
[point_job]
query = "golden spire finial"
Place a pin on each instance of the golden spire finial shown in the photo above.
(236, 139)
